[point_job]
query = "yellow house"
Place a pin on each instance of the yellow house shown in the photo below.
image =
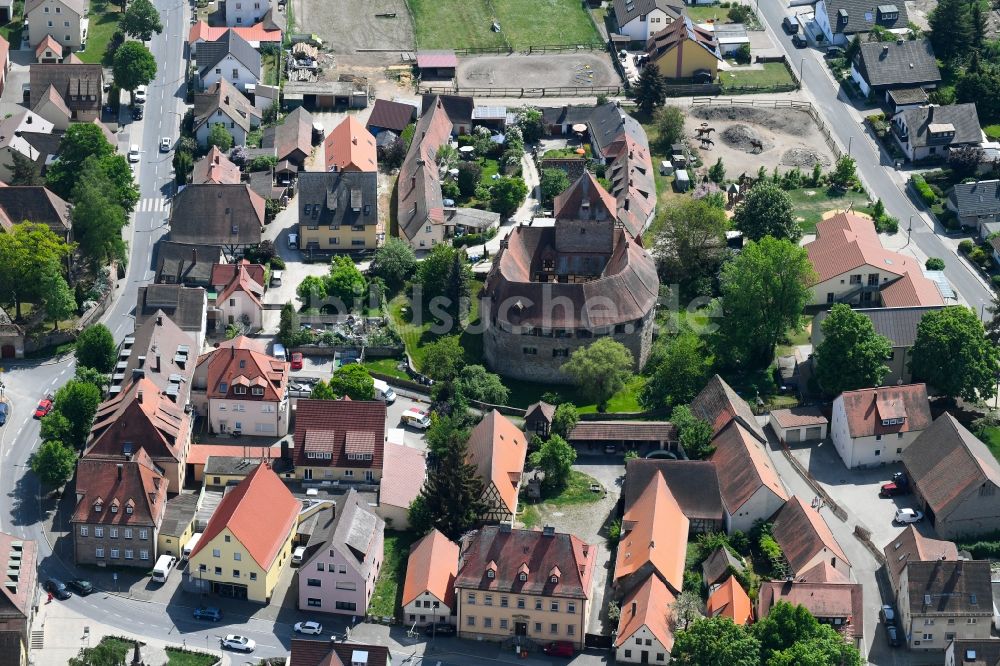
(178, 524)
(247, 540)
(338, 211)
(682, 50)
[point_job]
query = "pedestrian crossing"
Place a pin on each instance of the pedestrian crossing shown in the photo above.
(152, 205)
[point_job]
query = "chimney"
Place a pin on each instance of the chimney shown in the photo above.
(885, 49)
(226, 100)
(633, 609)
(354, 140)
(138, 396)
(548, 530)
(28, 121)
(120, 467)
(930, 113)
(626, 203)
(159, 320)
(194, 256)
(157, 368)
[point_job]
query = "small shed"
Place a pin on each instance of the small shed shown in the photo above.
(799, 424)
(538, 419)
(623, 435)
(718, 565)
(437, 64)
(666, 168)
(731, 37)
(681, 180)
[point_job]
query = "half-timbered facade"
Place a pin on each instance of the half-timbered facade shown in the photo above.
(498, 449)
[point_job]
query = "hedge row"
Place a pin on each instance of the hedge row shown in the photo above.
(924, 190)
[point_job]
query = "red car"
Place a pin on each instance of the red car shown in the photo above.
(44, 407)
(559, 649)
(296, 360)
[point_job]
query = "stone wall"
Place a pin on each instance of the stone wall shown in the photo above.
(585, 236)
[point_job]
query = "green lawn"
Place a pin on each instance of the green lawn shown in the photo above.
(389, 587)
(577, 491)
(177, 657)
(773, 74)
(523, 394)
(11, 30)
(568, 152)
(810, 204)
(104, 18)
(415, 338)
(387, 366)
(794, 338)
(454, 24)
(991, 438)
(705, 13)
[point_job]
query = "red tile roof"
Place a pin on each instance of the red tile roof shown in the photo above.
(350, 147)
(743, 467)
(114, 484)
(242, 279)
(802, 533)
(140, 416)
(631, 431)
(222, 274)
(498, 448)
(323, 425)
(866, 409)
(826, 600)
(799, 417)
(419, 183)
(202, 32)
(600, 205)
(240, 362)
(308, 652)
(403, 473)
(654, 531)
(719, 404)
(48, 42)
(16, 600)
(260, 512)
(432, 567)
(538, 555)
(911, 546)
(730, 600)
(215, 167)
(648, 605)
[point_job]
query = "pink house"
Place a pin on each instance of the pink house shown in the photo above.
(342, 559)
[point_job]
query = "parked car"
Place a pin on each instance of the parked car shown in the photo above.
(133, 154)
(904, 516)
(137, 113)
(887, 614)
(165, 144)
(44, 407)
(310, 627)
(798, 41)
(296, 360)
(559, 649)
(298, 555)
(834, 52)
(139, 96)
(80, 586)
(241, 643)
(4, 412)
(439, 629)
(892, 634)
(207, 613)
(900, 485)
(790, 25)
(57, 588)
(416, 418)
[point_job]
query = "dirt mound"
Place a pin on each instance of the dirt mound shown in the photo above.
(786, 121)
(742, 137)
(803, 157)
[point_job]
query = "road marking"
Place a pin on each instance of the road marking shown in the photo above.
(152, 204)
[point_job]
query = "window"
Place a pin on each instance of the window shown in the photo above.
(538, 604)
(529, 351)
(523, 577)
(553, 628)
(236, 573)
(554, 606)
(84, 530)
(560, 353)
(503, 623)
(659, 656)
(855, 279)
(343, 569)
(570, 629)
(99, 552)
(238, 556)
(358, 242)
(216, 552)
(829, 297)
(98, 532)
(114, 553)
(471, 599)
(628, 653)
(470, 621)
(313, 602)
(314, 582)
(928, 637)
(970, 620)
(127, 533)
(143, 554)
(320, 567)
(128, 510)
(113, 532)
(253, 575)
(503, 602)
(239, 390)
(128, 553)
(873, 279)
(114, 508)
(520, 603)
(218, 571)
(488, 599)
(490, 574)
(348, 473)
(202, 567)
(571, 607)
(538, 627)
(487, 623)
(345, 585)
(554, 579)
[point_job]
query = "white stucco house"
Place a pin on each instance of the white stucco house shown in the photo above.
(875, 426)
(641, 19)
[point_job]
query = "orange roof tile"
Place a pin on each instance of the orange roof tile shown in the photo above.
(654, 531)
(432, 567)
(743, 467)
(498, 448)
(802, 533)
(350, 147)
(730, 600)
(259, 512)
(50, 43)
(241, 281)
(199, 454)
(648, 605)
(242, 361)
(215, 167)
(404, 470)
(202, 32)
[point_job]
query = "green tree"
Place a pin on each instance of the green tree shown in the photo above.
(952, 354)
(54, 463)
(24, 171)
(346, 282)
(57, 298)
(451, 498)
(993, 325)
(695, 434)
(141, 20)
(790, 635)
(650, 89)
(133, 66)
(529, 119)
(477, 383)
(678, 370)
(95, 348)
(395, 262)
(979, 23)
(98, 218)
(766, 211)
(852, 355)
(220, 137)
(964, 161)
(28, 253)
(435, 271)
(689, 243)
(311, 291)
(565, 419)
(982, 88)
(353, 381)
(78, 402)
(469, 175)
(601, 369)
(102, 654)
(669, 127)
(321, 390)
(717, 172)
(290, 331)
(444, 358)
(90, 376)
(763, 292)
(950, 28)
(81, 142)
(553, 183)
(852, 50)
(507, 194)
(715, 641)
(555, 458)
(845, 173)
(827, 648)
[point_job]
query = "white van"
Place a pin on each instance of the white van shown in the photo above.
(384, 392)
(278, 352)
(293, 241)
(298, 554)
(189, 546)
(416, 418)
(276, 278)
(163, 566)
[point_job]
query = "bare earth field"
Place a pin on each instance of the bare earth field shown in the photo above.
(582, 68)
(790, 139)
(348, 25)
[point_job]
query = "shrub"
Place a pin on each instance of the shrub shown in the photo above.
(887, 224)
(924, 190)
(934, 264)
(995, 281)
(966, 246)
(770, 548)
(692, 582)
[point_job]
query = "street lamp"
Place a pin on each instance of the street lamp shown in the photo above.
(850, 142)
(802, 67)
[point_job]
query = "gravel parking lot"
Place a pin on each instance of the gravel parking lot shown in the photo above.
(348, 26)
(580, 69)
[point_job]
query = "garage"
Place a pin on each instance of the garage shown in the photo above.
(799, 425)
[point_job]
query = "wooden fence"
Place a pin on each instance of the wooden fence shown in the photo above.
(558, 91)
(531, 50)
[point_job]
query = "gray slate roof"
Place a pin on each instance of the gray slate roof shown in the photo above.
(962, 116)
(179, 513)
(350, 533)
(217, 215)
(982, 198)
(338, 198)
(897, 324)
(862, 15)
(627, 10)
(209, 54)
(901, 96)
(186, 263)
(900, 63)
(184, 305)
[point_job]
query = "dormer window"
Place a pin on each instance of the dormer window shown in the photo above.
(240, 390)
(97, 507)
(258, 390)
(490, 573)
(522, 577)
(554, 579)
(114, 508)
(128, 510)
(223, 387)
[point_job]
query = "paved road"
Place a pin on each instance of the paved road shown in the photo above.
(875, 168)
